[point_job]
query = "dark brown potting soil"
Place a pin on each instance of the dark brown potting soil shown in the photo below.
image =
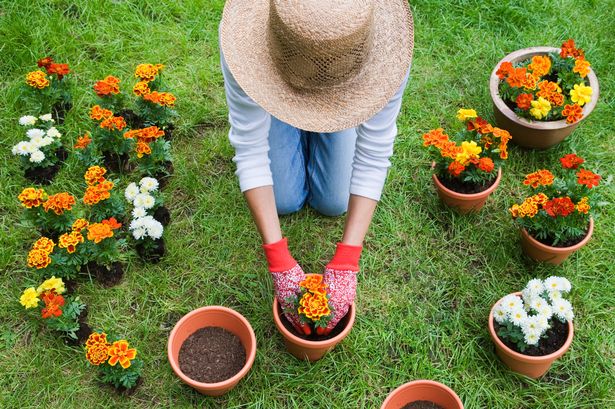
(211, 354)
(82, 333)
(568, 243)
(116, 163)
(59, 111)
(163, 215)
(42, 176)
(152, 255)
(313, 336)
(553, 340)
(163, 177)
(133, 120)
(458, 186)
(107, 277)
(422, 404)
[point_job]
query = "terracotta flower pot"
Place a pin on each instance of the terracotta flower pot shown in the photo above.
(532, 366)
(311, 350)
(213, 316)
(535, 134)
(422, 390)
(553, 255)
(465, 203)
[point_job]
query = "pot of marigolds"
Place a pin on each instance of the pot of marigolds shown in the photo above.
(533, 328)
(556, 219)
(541, 94)
(422, 394)
(467, 167)
(312, 307)
(211, 349)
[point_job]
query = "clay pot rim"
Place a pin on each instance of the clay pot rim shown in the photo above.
(523, 54)
(561, 250)
(527, 358)
(250, 355)
(468, 196)
(313, 344)
(424, 382)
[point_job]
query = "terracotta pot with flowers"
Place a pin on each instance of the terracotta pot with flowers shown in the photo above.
(533, 328)
(541, 94)
(467, 166)
(556, 219)
(49, 90)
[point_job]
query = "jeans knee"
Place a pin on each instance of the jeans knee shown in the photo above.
(288, 205)
(330, 207)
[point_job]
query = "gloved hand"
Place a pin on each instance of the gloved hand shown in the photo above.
(287, 274)
(341, 277)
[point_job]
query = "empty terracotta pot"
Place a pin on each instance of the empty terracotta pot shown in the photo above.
(310, 350)
(532, 366)
(552, 255)
(465, 203)
(435, 392)
(535, 134)
(212, 316)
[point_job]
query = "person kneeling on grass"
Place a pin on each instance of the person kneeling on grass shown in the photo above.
(314, 91)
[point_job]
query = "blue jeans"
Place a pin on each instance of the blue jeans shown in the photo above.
(310, 167)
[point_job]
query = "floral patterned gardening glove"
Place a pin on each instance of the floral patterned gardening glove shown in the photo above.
(341, 277)
(287, 274)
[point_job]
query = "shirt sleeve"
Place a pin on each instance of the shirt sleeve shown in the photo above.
(374, 147)
(248, 134)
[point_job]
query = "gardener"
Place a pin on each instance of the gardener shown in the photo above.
(314, 88)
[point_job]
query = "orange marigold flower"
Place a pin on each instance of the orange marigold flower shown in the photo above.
(45, 244)
(314, 306)
(583, 205)
(80, 224)
(571, 161)
(69, 241)
(455, 168)
(59, 202)
(505, 69)
(556, 99)
(83, 141)
(559, 206)
(97, 113)
(119, 352)
(58, 69)
(97, 232)
(141, 88)
(514, 211)
(97, 193)
(45, 62)
(569, 49)
(38, 259)
(132, 133)
(588, 178)
(95, 175)
(435, 137)
(581, 66)
(148, 72)
(314, 284)
(160, 98)
(528, 208)
(97, 348)
(31, 197)
(540, 199)
(517, 77)
(524, 101)
(450, 150)
(150, 133)
(573, 113)
(143, 148)
(53, 304)
(486, 164)
(530, 81)
(110, 85)
(540, 65)
(114, 122)
(37, 79)
(539, 178)
(111, 222)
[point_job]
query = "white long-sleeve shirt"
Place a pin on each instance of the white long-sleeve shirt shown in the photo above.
(249, 134)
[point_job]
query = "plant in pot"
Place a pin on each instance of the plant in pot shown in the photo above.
(102, 201)
(154, 106)
(103, 252)
(533, 328)
(42, 153)
(311, 304)
(48, 91)
(541, 94)
(211, 349)
(108, 138)
(153, 152)
(117, 362)
(422, 394)
(51, 214)
(66, 315)
(467, 166)
(556, 220)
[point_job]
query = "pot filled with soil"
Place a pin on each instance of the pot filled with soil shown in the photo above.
(541, 251)
(311, 347)
(153, 251)
(465, 197)
(528, 133)
(422, 394)
(536, 360)
(211, 349)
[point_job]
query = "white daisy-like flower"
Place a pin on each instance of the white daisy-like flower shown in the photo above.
(155, 229)
(148, 184)
(554, 283)
(555, 295)
(53, 132)
(36, 142)
(131, 192)
(531, 337)
(46, 118)
(144, 200)
(545, 311)
(518, 316)
(537, 303)
(535, 287)
(27, 120)
(564, 284)
(532, 323)
(500, 314)
(139, 233)
(543, 323)
(34, 132)
(23, 148)
(138, 212)
(562, 309)
(37, 156)
(512, 302)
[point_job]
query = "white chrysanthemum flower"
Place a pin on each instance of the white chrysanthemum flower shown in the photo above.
(564, 284)
(545, 311)
(500, 314)
(537, 303)
(27, 120)
(37, 156)
(518, 316)
(138, 212)
(53, 132)
(535, 287)
(144, 200)
(531, 337)
(543, 323)
(563, 309)
(46, 118)
(155, 230)
(139, 233)
(36, 142)
(148, 184)
(532, 323)
(34, 132)
(512, 302)
(555, 295)
(23, 148)
(553, 284)
(42, 142)
(131, 192)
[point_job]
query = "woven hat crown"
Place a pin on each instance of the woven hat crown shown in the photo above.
(319, 43)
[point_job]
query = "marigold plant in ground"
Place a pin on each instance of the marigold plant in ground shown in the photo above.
(116, 361)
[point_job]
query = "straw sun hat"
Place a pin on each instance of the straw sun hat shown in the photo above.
(318, 65)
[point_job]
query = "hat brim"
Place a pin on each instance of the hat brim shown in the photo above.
(244, 42)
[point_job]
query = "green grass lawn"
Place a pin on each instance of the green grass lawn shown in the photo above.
(428, 278)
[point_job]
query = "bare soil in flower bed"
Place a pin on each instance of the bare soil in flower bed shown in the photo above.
(458, 186)
(82, 333)
(164, 177)
(59, 110)
(211, 355)
(44, 176)
(313, 336)
(133, 120)
(163, 215)
(152, 255)
(553, 340)
(116, 163)
(422, 404)
(107, 277)
(568, 243)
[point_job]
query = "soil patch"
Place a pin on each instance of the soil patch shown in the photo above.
(164, 176)
(116, 163)
(152, 255)
(133, 120)
(422, 404)
(555, 339)
(82, 333)
(163, 215)
(313, 336)
(458, 186)
(59, 110)
(107, 277)
(212, 354)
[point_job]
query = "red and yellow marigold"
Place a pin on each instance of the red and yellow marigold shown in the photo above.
(45, 244)
(59, 203)
(94, 175)
(69, 241)
(31, 197)
(97, 348)
(314, 284)
(37, 79)
(588, 178)
(148, 72)
(314, 306)
(539, 178)
(119, 352)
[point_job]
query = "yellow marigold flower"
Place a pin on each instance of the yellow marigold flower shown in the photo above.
(314, 284)
(514, 211)
(69, 241)
(31, 197)
(540, 199)
(581, 94)
(29, 298)
(465, 114)
(97, 348)
(583, 205)
(540, 108)
(141, 88)
(148, 72)
(37, 79)
(95, 175)
(581, 66)
(314, 306)
(119, 352)
(38, 259)
(80, 224)
(53, 283)
(45, 244)
(469, 152)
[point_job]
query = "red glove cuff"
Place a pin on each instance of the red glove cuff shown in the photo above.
(278, 256)
(346, 257)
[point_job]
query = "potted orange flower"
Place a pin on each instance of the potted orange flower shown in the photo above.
(556, 219)
(541, 94)
(48, 90)
(467, 166)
